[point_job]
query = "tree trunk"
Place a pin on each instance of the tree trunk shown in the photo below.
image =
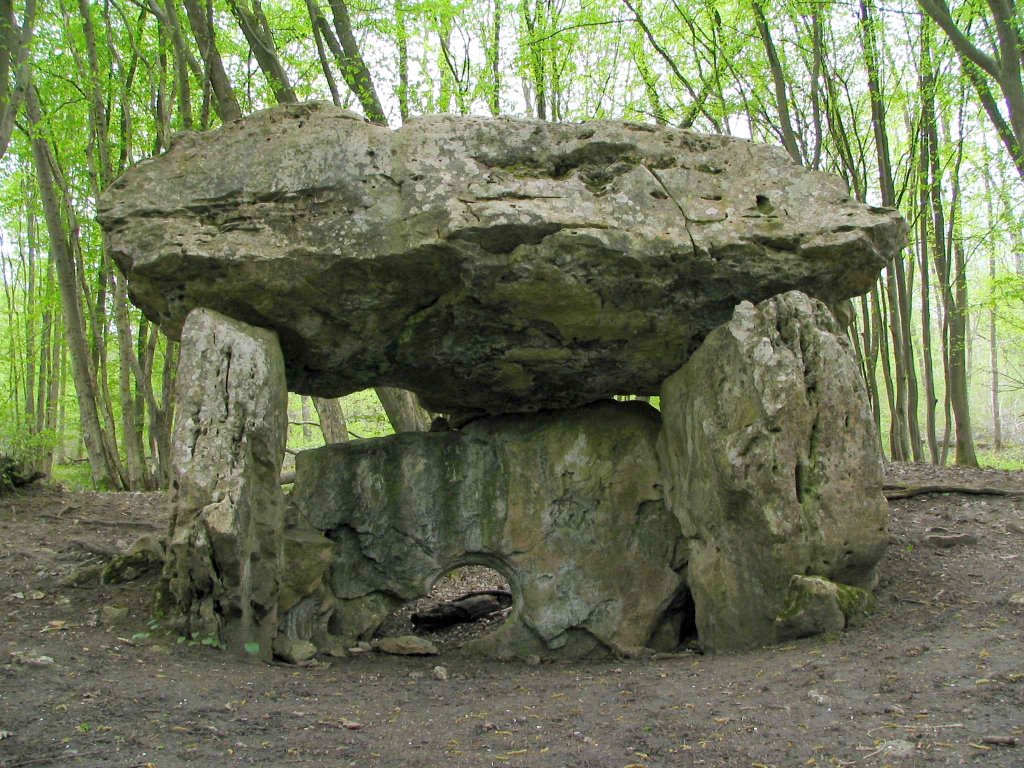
(403, 61)
(31, 301)
(904, 417)
(51, 347)
(494, 62)
(180, 65)
(203, 30)
(257, 33)
(304, 402)
(353, 68)
(15, 40)
(131, 435)
(101, 472)
(779, 81)
(318, 23)
(897, 446)
(1003, 66)
(404, 413)
(993, 346)
(332, 419)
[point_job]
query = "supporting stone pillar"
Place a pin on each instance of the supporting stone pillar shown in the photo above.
(772, 467)
(223, 569)
(567, 505)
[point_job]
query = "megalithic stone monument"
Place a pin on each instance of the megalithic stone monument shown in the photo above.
(513, 274)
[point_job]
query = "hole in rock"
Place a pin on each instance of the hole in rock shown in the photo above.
(678, 628)
(467, 602)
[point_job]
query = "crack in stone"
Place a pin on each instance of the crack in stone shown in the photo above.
(686, 219)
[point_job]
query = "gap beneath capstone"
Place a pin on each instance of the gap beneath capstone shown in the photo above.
(461, 592)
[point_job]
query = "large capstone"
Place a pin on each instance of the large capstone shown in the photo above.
(772, 466)
(488, 265)
(222, 575)
(567, 505)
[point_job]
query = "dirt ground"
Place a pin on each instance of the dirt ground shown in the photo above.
(936, 677)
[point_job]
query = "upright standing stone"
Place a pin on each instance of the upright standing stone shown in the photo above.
(774, 466)
(567, 505)
(223, 568)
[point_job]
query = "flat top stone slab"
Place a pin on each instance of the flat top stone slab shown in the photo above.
(488, 265)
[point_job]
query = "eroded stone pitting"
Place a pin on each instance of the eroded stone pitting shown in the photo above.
(491, 266)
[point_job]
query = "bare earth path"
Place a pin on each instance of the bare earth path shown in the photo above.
(936, 677)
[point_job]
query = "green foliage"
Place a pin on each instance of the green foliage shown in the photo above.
(1011, 457)
(685, 63)
(24, 447)
(75, 477)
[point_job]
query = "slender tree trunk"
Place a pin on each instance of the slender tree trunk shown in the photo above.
(993, 344)
(50, 354)
(332, 419)
(494, 62)
(180, 65)
(870, 347)
(31, 301)
(905, 417)
(404, 413)
(403, 60)
(304, 404)
(897, 444)
(353, 68)
(955, 292)
(535, 57)
(257, 33)
(15, 40)
(779, 81)
(317, 22)
(101, 471)
(926, 90)
(446, 66)
(201, 22)
(163, 416)
(931, 401)
(46, 337)
(817, 62)
(131, 434)
(959, 383)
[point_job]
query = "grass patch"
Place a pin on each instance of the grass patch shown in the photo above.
(74, 477)
(1009, 457)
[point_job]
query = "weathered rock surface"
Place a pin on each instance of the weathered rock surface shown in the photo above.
(293, 651)
(145, 554)
(566, 505)
(488, 265)
(222, 575)
(772, 466)
(817, 606)
(406, 645)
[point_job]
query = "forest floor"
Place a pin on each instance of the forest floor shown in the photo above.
(936, 677)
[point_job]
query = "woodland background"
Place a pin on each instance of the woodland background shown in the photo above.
(918, 105)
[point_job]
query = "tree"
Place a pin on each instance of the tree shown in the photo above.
(15, 40)
(1000, 64)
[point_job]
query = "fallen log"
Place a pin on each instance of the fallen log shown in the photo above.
(894, 491)
(471, 606)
